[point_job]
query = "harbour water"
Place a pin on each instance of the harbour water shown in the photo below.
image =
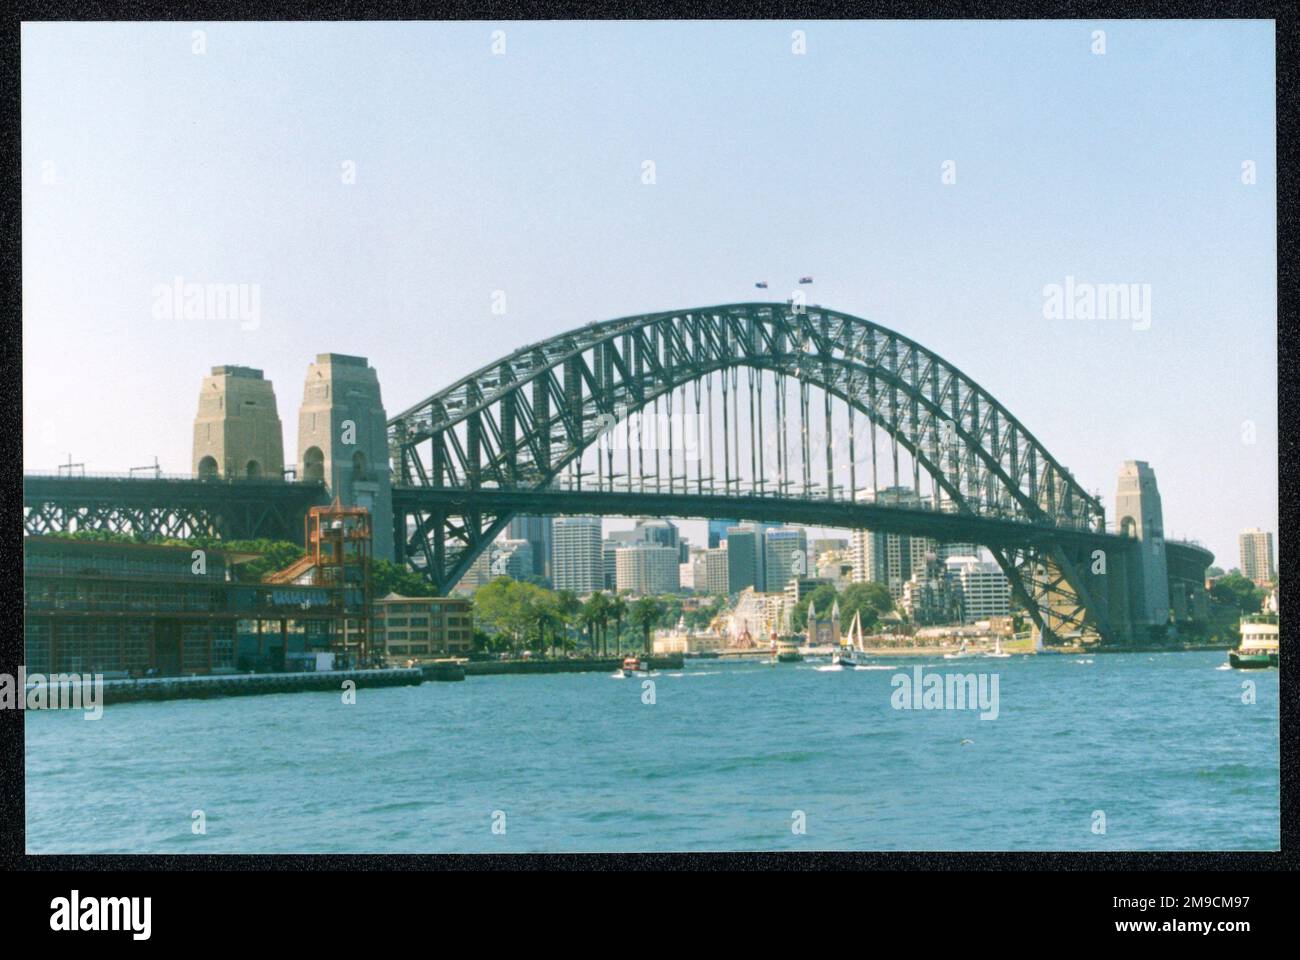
(728, 756)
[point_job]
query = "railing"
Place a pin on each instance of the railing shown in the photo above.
(178, 477)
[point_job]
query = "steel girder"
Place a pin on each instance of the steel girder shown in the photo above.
(518, 422)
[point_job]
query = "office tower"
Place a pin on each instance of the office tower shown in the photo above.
(786, 556)
(537, 531)
(647, 569)
(577, 555)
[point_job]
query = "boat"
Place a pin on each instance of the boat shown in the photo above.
(850, 644)
(961, 653)
(632, 666)
(1259, 649)
(997, 651)
(787, 651)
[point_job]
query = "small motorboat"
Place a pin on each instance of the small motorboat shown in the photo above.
(632, 666)
(844, 658)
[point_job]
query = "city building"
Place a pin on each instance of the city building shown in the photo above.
(423, 628)
(744, 559)
(647, 569)
(890, 558)
(981, 588)
(237, 430)
(718, 531)
(577, 555)
(1256, 547)
(536, 531)
(710, 571)
(786, 555)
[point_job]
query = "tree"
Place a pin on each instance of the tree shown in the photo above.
(822, 598)
(567, 607)
(618, 610)
(594, 612)
(869, 600)
(1234, 590)
(645, 614)
(387, 577)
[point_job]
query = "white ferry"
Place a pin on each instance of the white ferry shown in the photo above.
(1260, 635)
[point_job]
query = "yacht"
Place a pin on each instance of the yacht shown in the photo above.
(997, 650)
(962, 652)
(850, 644)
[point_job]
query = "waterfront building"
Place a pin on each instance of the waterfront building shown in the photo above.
(423, 628)
(982, 589)
(577, 555)
(1256, 548)
(823, 631)
(647, 569)
(123, 609)
(785, 555)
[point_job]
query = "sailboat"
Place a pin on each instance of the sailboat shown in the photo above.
(997, 651)
(962, 652)
(848, 645)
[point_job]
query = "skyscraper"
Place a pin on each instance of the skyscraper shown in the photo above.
(537, 531)
(718, 530)
(786, 556)
(1256, 548)
(647, 569)
(577, 555)
(744, 556)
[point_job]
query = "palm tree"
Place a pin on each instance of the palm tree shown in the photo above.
(569, 608)
(645, 614)
(595, 612)
(618, 610)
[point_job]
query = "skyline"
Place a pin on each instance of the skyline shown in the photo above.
(522, 172)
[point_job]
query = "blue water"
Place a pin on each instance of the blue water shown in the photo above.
(1162, 744)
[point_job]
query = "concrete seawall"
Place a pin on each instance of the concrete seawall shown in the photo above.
(249, 684)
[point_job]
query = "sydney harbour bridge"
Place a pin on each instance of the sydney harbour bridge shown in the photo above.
(775, 412)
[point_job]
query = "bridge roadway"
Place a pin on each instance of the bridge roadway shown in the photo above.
(770, 508)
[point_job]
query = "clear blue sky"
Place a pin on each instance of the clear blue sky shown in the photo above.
(522, 172)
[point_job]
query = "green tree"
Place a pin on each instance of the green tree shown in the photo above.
(645, 615)
(1236, 591)
(822, 598)
(594, 612)
(568, 607)
(387, 577)
(618, 611)
(869, 600)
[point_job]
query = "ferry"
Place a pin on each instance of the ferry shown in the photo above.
(632, 666)
(787, 651)
(1259, 643)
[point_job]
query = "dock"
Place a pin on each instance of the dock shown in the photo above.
(250, 684)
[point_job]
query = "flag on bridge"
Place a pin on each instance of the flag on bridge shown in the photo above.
(805, 279)
(762, 284)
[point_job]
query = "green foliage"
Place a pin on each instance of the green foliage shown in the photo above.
(1237, 592)
(868, 599)
(387, 577)
(645, 614)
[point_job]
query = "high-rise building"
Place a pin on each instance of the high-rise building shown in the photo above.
(711, 571)
(537, 531)
(1138, 514)
(647, 569)
(891, 558)
(343, 439)
(609, 550)
(577, 555)
(1256, 548)
(786, 556)
(744, 557)
(237, 430)
(982, 588)
(718, 531)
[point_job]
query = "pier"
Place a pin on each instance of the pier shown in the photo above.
(249, 684)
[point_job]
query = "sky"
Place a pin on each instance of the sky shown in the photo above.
(376, 185)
